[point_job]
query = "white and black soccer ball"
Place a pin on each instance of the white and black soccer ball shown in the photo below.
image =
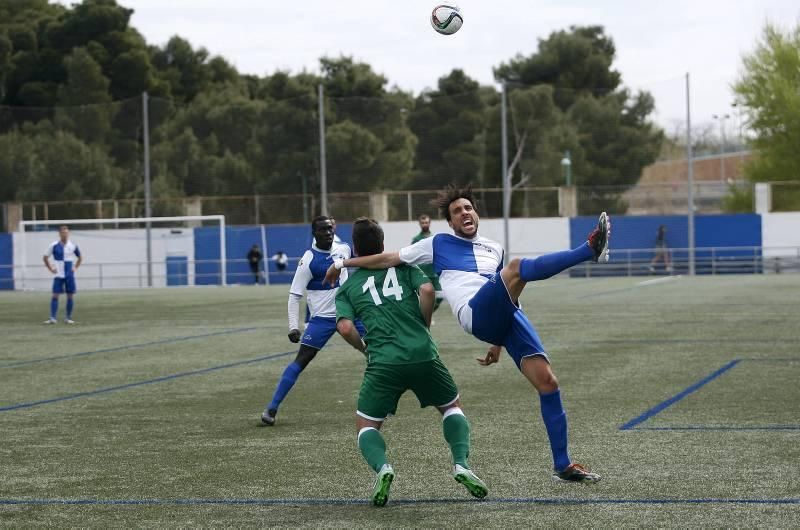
(446, 19)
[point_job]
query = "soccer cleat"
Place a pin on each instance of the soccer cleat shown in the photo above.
(50, 321)
(69, 321)
(380, 490)
(268, 417)
(576, 473)
(598, 239)
(475, 486)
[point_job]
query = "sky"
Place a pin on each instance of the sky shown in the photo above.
(657, 42)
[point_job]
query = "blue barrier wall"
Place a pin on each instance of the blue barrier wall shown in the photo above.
(294, 240)
(639, 232)
(6, 262)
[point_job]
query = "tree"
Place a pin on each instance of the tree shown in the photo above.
(449, 123)
(606, 128)
(768, 91)
(85, 101)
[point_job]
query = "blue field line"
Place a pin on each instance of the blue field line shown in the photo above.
(361, 502)
(696, 341)
(128, 347)
(147, 382)
(677, 397)
(722, 428)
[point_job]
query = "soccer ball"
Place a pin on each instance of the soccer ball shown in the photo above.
(446, 19)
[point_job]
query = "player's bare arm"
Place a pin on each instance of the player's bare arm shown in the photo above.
(348, 331)
(47, 264)
(375, 261)
(78, 263)
(427, 299)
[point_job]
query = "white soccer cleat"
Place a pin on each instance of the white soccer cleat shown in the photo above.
(383, 482)
(50, 321)
(474, 485)
(598, 239)
(69, 321)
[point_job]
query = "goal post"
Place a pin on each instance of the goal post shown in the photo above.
(127, 247)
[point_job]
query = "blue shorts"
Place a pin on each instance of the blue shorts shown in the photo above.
(497, 320)
(320, 329)
(61, 285)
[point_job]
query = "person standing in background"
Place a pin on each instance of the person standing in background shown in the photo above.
(254, 260)
(66, 260)
(424, 233)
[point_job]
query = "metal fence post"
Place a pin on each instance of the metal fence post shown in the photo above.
(408, 201)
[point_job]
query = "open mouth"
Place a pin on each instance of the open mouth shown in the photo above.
(467, 223)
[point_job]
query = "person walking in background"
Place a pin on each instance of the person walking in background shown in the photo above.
(661, 250)
(254, 260)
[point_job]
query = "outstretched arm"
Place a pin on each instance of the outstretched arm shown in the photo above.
(375, 261)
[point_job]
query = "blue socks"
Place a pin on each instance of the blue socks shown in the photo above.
(53, 308)
(543, 267)
(555, 421)
(70, 305)
(288, 379)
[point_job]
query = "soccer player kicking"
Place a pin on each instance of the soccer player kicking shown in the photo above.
(396, 305)
(484, 297)
(320, 301)
(66, 260)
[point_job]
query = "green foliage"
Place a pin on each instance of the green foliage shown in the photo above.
(75, 76)
(768, 91)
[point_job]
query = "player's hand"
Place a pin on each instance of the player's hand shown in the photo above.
(332, 276)
(492, 356)
(53, 270)
(294, 336)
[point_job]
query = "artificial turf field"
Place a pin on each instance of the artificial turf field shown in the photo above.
(682, 393)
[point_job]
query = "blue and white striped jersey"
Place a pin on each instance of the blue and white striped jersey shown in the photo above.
(308, 278)
(64, 257)
(463, 265)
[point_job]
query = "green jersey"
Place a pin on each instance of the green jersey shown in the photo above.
(427, 268)
(386, 301)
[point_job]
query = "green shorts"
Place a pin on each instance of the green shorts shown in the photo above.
(383, 385)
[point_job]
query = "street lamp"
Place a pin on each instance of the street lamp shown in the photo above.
(566, 168)
(721, 118)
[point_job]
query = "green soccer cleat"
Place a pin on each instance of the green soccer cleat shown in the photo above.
(475, 486)
(383, 482)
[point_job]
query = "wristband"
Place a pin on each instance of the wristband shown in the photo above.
(338, 264)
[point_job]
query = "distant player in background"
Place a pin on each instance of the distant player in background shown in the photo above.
(66, 261)
(396, 305)
(321, 303)
(427, 268)
(484, 295)
(336, 241)
(254, 257)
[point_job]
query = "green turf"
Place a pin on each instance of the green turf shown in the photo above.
(618, 349)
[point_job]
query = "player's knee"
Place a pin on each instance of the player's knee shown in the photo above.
(514, 265)
(305, 355)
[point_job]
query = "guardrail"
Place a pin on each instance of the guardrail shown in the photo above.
(184, 272)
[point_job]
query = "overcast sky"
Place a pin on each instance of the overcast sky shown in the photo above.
(657, 42)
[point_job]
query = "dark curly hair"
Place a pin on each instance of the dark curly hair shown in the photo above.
(452, 193)
(367, 236)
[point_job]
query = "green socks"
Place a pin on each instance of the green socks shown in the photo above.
(373, 448)
(456, 433)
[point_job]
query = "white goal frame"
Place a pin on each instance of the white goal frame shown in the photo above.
(149, 220)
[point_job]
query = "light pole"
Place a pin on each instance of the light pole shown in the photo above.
(721, 118)
(566, 168)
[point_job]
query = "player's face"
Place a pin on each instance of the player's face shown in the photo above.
(63, 232)
(425, 224)
(323, 234)
(463, 218)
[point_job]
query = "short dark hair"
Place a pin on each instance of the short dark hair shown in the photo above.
(423, 216)
(367, 236)
(452, 193)
(319, 219)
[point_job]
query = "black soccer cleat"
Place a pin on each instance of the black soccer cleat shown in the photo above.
(268, 417)
(576, 473)
(598, 239)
